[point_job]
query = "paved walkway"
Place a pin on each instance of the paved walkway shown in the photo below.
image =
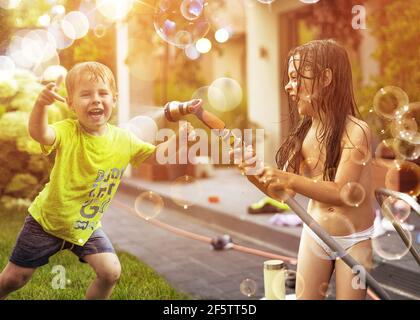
(190, 266)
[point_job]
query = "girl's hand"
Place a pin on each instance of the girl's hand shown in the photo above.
(277, 182)
(252, 164)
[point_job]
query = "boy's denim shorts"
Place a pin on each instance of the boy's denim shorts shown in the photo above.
(34, 246)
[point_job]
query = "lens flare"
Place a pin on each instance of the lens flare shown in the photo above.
(114, 10)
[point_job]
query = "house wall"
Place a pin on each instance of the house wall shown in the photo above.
(263, 70)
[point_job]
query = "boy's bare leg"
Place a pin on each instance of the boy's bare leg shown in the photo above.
(108, 270)
(313, 272)
(351, 284)
(13, 278)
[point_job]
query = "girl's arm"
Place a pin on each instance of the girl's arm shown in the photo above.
(348, 170)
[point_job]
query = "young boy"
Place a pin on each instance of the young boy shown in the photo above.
(91, 156)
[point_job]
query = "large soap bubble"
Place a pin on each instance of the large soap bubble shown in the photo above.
(181, 22)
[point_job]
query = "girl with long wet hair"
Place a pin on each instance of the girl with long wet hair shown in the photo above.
(326, 157)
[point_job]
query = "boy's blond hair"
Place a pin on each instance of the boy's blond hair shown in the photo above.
(96, 70)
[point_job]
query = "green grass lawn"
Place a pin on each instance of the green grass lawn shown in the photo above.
(138, 281)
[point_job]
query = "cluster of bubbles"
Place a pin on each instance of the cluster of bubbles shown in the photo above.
(391, 105)
(393, 112)
(37, 49)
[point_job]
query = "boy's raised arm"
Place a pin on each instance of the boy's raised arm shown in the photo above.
(38, 120)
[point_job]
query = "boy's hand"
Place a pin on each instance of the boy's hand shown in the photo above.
(49, 94)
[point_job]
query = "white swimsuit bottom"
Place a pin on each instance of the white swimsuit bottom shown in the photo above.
(345, 241)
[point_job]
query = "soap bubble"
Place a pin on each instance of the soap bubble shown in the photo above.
(75, 25)
(52, 73)
(7, 68)
(145, 128)
(279, 284)
(185, 191)
(225, 94)
(148, 205)
(388, 100)
(248, 287)
(294, 280)
(404, 177)
(173, 27)
(61, 39)
(192, 9)
(397, 207)
(352, 194)
(389, 246)
(361, 155)
(384, 153)
(407, 122)
(406, 150)
(191, 52)
(114, 10)
(99, 30)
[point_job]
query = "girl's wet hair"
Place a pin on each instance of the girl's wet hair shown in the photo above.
(333, 103)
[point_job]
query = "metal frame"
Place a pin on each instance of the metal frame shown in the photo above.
(382, 192)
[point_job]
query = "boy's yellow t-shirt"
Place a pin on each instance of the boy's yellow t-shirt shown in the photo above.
(84, 179)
